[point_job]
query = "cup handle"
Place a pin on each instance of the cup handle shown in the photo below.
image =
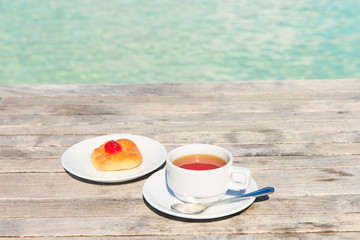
(240, 173)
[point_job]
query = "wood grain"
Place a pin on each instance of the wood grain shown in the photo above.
(302, 137)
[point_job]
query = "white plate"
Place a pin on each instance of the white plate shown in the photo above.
(76, 159)
(159, 196)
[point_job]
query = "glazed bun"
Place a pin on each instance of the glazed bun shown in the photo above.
(121, 154)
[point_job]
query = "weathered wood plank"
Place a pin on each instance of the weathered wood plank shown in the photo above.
(48, 165)
(172, 128)
(288, 236)
(335, 85)
(215, 138)
(195, 107)
(118, 206)
(189, 97)
(39, 119)
(160, 226)
(238, 150)
(298, 182)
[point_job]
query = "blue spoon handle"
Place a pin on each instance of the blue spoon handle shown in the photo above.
(261, 192)
(258, 193)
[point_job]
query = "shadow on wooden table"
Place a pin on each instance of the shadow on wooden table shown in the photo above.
(115, 183)
(258, 199)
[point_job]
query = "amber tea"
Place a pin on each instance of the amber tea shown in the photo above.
(199, 162)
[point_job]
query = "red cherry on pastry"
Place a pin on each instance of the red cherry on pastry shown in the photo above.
(112, 147)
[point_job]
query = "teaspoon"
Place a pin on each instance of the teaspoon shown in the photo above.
(195, 208)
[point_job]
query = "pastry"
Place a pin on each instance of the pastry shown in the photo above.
(121, 154)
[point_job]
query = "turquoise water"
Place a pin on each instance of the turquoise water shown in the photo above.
(137, 41)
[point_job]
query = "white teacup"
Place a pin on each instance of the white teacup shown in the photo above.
(202, 186)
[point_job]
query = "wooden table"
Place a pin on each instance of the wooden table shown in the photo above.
(301, 137)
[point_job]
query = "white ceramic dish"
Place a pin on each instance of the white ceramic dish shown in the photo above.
(76, 159)
(159, 196)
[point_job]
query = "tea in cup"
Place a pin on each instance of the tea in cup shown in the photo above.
(202, 173)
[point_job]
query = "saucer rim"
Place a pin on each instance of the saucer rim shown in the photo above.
(202, 216)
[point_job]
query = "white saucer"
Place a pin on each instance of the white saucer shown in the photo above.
(159, 196)
(76, 159)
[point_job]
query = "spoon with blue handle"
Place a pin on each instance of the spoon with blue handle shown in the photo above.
(195, 208)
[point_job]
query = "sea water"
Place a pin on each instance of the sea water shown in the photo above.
(157, 41)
